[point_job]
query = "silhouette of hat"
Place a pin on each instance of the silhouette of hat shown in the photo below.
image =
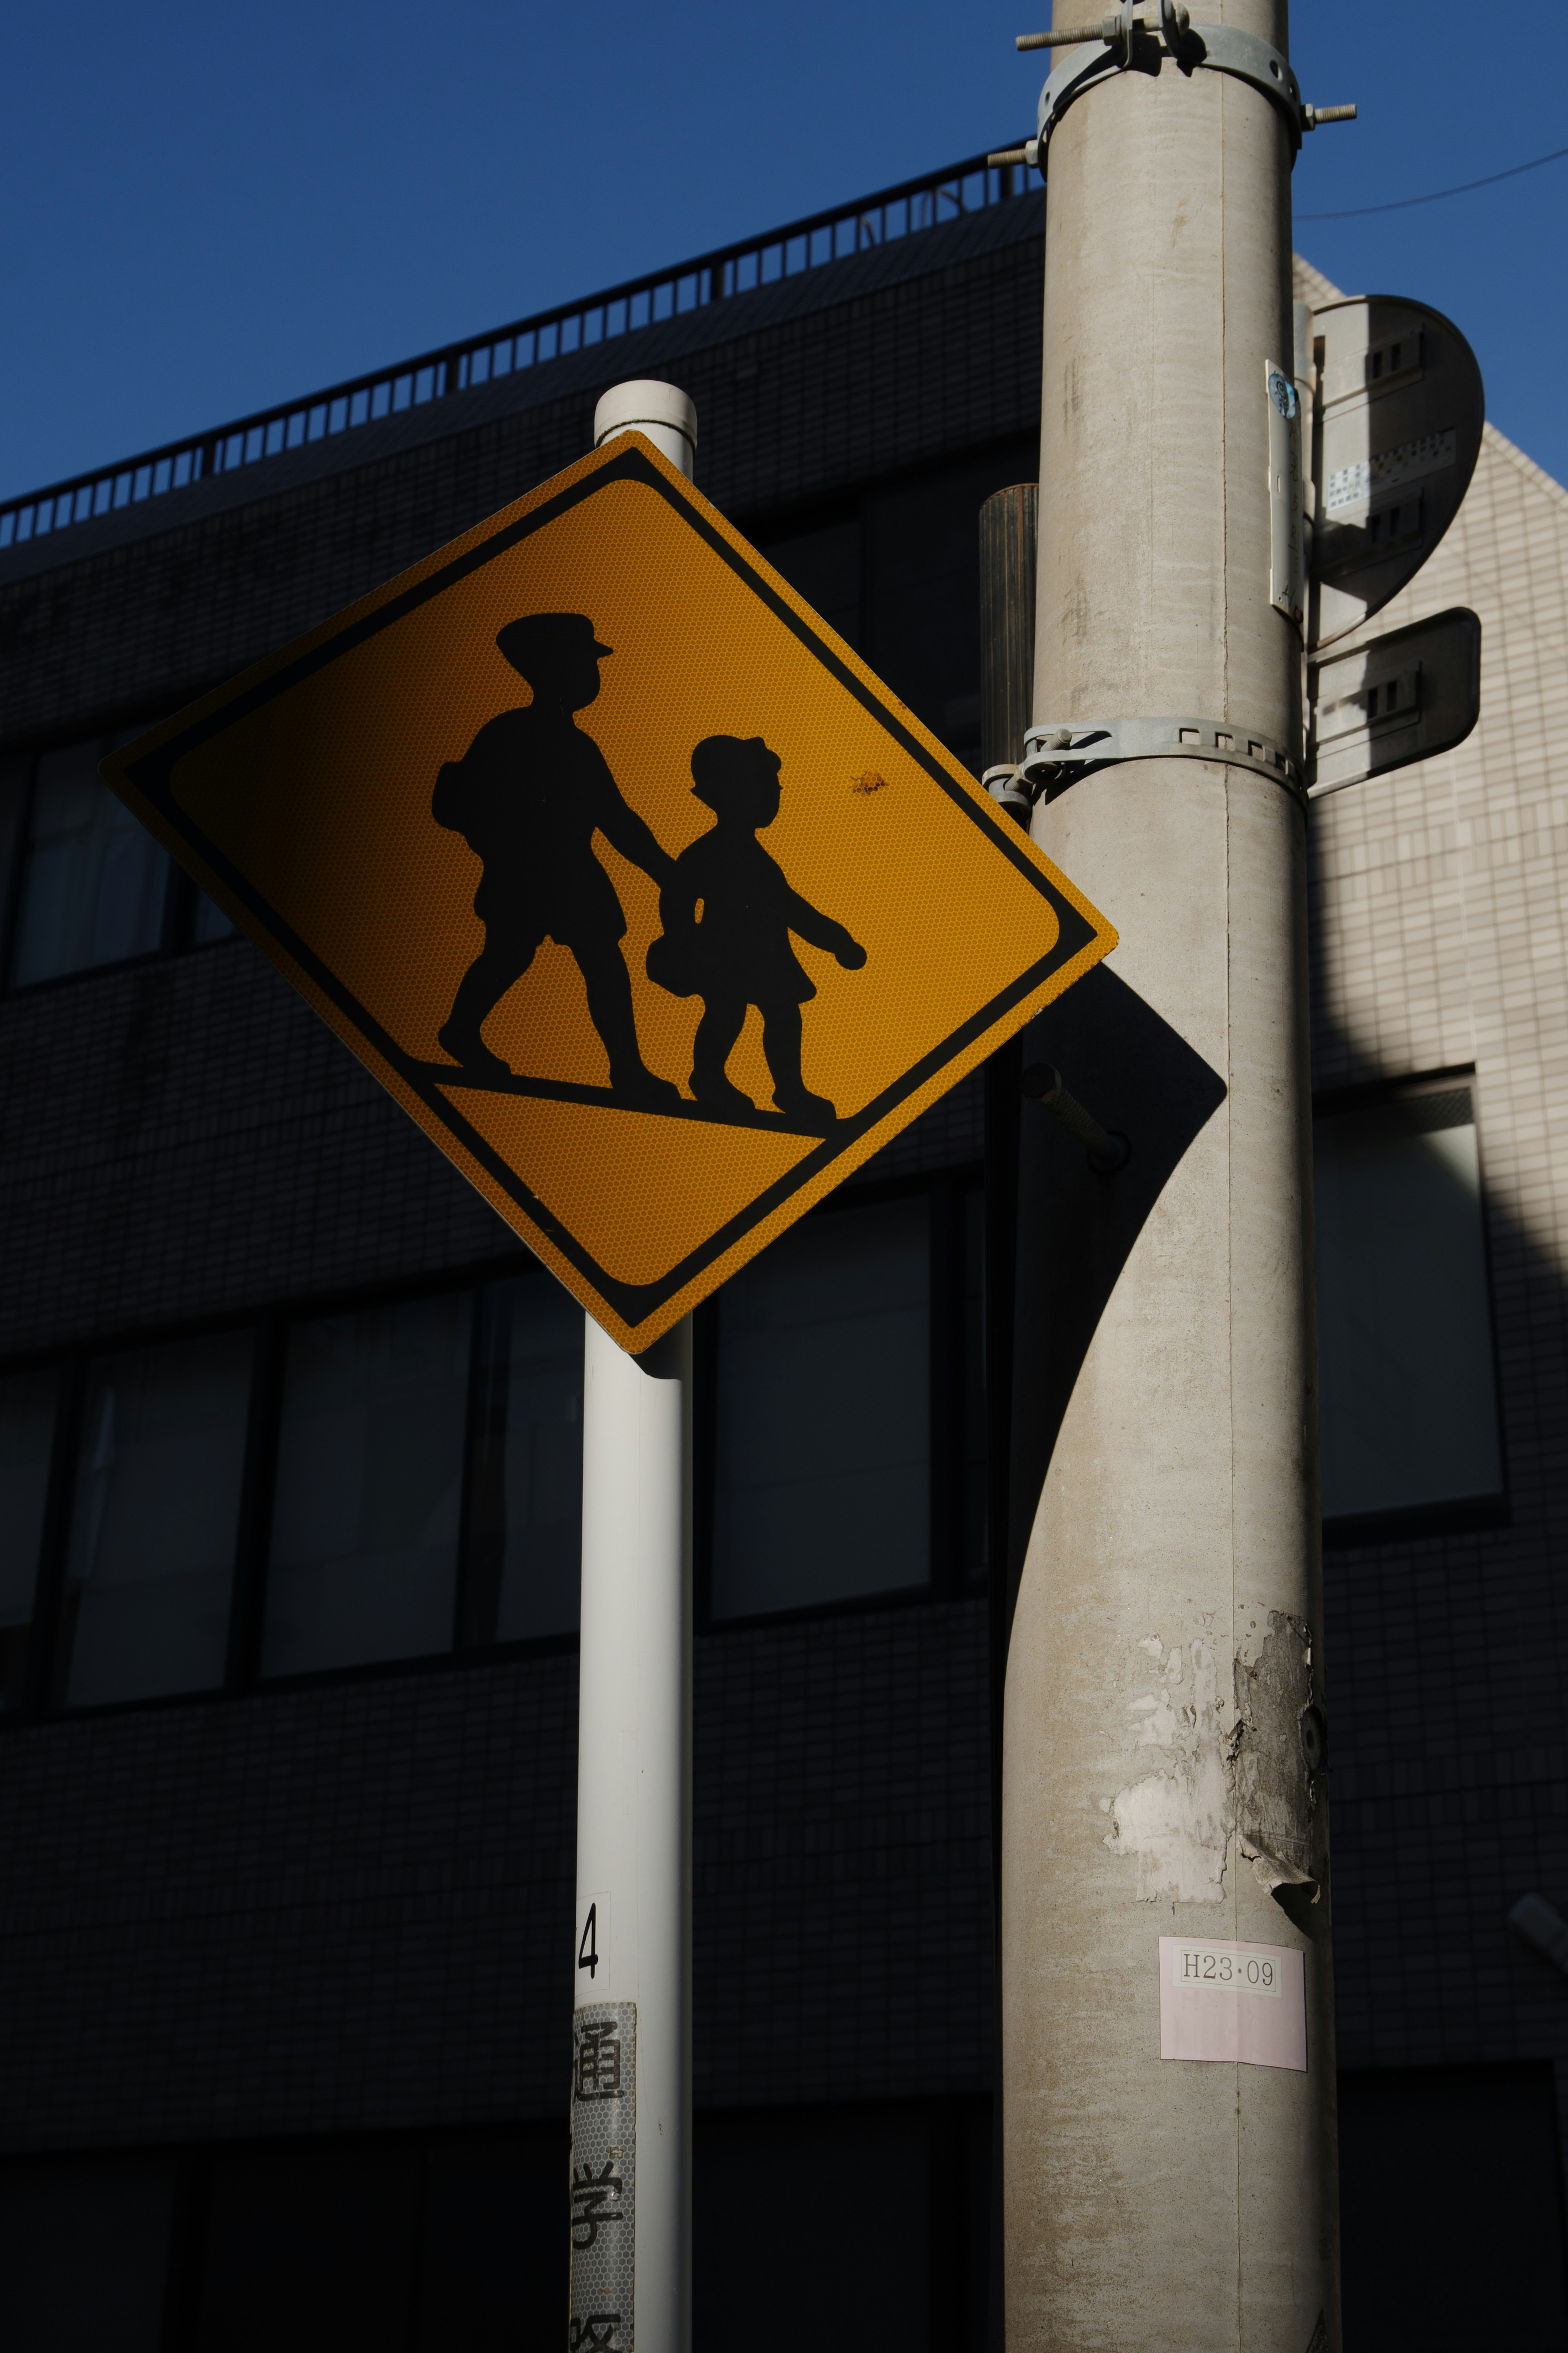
(545, 638)
(719, 763)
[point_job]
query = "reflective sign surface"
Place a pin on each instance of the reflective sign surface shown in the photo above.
(622, 873)
(1400, 410)
(1407, 695)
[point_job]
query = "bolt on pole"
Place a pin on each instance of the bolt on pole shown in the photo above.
(1169, 2169)
(631, 2040)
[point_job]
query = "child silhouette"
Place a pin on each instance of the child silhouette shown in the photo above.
(728, 912)
(528, 797)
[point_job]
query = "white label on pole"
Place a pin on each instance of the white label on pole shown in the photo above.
(603, 2177)
(592, 1971)
(1242, 2003)
(1286, 573)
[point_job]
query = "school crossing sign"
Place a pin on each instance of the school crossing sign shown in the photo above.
(622, 873)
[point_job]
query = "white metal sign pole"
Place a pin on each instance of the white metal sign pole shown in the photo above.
(631, 2042)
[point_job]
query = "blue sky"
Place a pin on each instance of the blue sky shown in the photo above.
(203, 210)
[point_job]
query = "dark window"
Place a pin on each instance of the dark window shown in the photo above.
(82, 882)
(822, 1412)
(492, 2275)
(28, 1402)
(400, 1480)
(369, 1494)
(455, 2241)
(775, 2198)
(526, 1503)
(314, 2249)
(771, 2196)
(1409, 1412)
(93, 880)
(413, 1470)
(154, 1518)
(1451, 2210)
(84, 2252)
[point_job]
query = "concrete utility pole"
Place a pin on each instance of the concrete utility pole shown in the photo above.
(1163, 1737)
(631, 2070)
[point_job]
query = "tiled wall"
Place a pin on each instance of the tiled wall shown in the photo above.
(348, 1907)
(1440, 907)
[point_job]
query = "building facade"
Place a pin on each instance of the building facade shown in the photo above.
(289, 1445)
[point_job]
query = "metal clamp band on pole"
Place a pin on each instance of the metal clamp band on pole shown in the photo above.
(1127, 42)
(1055, 755)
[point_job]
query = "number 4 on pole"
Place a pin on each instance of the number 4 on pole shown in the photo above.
(593, 1935)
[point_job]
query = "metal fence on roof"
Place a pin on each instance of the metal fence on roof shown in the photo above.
(913, 206)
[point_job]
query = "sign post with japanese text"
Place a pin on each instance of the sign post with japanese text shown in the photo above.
(660, 914)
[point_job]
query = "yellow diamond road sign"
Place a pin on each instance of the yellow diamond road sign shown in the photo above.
(624, 874)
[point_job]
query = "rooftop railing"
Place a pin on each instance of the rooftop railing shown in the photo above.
(913, 206)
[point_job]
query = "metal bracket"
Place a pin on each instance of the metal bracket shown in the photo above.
(1005, 785)
(1225, 48)
(1057, 756)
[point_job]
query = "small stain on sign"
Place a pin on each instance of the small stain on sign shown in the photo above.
(870, 782)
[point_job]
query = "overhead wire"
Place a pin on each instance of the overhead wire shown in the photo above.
(1403, 203)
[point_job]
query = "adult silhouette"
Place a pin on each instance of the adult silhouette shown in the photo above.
(728, 912)
(528, 797)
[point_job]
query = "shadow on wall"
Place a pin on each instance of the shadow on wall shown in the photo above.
(1451, 2175)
